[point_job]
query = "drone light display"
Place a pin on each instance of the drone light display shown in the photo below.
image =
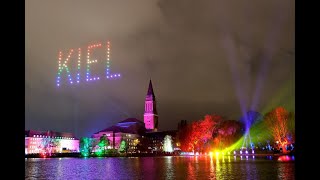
(64, 65)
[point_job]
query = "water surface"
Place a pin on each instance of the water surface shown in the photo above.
(198, 167)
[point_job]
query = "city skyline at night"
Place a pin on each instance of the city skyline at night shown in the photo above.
(201, 61)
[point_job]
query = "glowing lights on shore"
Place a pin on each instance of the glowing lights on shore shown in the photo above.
(88, 77)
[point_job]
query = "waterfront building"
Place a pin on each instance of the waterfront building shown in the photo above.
(50, 142)
(128, 130)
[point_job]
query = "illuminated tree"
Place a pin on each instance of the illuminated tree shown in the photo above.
(103, 144)
(228, 132)
(48, 145)
(86, 145)
(167, 144)
(123, 146)
(277, 121)
(195, 136)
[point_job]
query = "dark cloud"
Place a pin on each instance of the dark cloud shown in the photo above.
(180, 44)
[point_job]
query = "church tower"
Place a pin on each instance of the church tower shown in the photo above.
(150, 110)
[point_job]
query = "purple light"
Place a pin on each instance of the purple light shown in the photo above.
(246, 152)
(94, 78)
(240, 152)
(119, 75)
(253, 152)
(98, 78)
(108, 77)
(111, 75)
(77, 81)
(234, 152)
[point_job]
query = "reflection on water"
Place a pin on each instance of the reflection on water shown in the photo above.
(286, 158)
(189, 167)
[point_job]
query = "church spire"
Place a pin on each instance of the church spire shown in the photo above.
(150, 93)
(150, 110)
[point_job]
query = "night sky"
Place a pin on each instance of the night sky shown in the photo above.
(203, 56)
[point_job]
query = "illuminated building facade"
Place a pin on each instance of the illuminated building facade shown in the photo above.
(128, 130)
(150, 110)
(50, 142)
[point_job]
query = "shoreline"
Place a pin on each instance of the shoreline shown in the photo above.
(78, 155)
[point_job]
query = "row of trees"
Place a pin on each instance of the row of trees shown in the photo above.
(211, 132)
(215, 132)
(99, 147)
